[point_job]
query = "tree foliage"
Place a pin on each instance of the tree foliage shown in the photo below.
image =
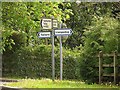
(24, 18)
(84, 16)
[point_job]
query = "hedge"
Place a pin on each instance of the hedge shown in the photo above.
(35, 62)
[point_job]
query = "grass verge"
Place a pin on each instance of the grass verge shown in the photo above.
(47, 83)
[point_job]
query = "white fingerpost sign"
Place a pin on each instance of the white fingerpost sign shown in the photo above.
(63, 32)
(46, 23)
(55, 23)
(44, 34)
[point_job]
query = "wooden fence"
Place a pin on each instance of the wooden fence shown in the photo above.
(115, 65)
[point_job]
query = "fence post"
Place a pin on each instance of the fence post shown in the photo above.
(115, 66)
(100, 66)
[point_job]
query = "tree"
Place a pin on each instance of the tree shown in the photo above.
(84, 13)
(24, 18)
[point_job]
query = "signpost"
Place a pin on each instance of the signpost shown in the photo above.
(44, 34)
(55, 24)
(63, 32)
(48, 24)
